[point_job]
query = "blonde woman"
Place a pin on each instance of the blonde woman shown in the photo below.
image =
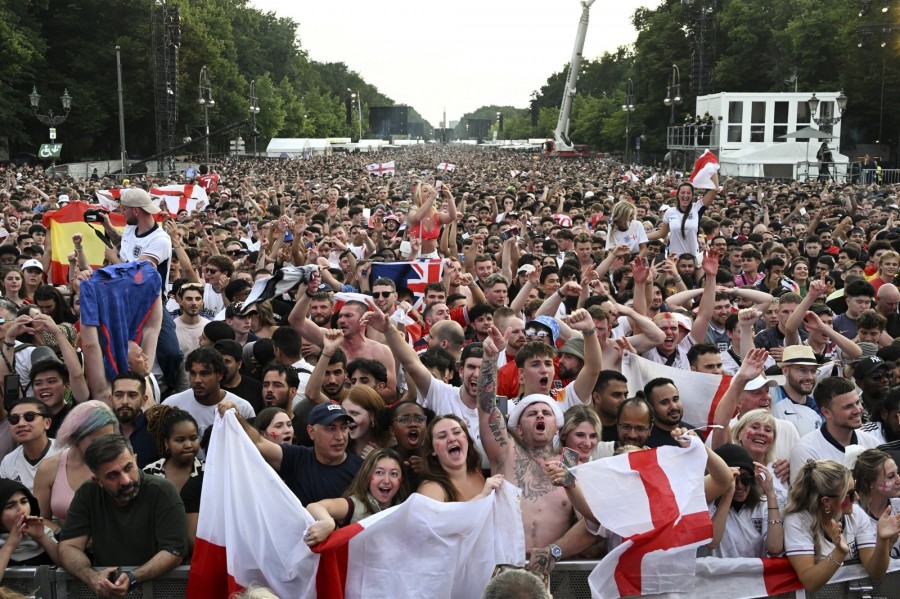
(624, 229)
(823, 527)
(425, 220)
(756, 432)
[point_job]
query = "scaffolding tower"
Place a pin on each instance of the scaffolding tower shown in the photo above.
(165, 31)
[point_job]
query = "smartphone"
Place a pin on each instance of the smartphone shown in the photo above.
(11, 390)
(113, 576)
(569, 460)
(503, 404)
(405, 248)
(288, 236)
(438, 183)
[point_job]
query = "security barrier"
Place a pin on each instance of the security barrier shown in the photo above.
(568, 581)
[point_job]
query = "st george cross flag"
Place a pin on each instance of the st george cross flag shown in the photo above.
(109, 198)
(251, 525)
(424, 548)
(412, 275)
(384, 168)
(446, 166)
(181, 197)
(705, 167)
(251, 531)
(705, 390)
(654, 499)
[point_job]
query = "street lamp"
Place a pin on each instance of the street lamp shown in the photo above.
(254, 110)
(628, 107)
(205, 99)
(50, 119)
(827, 121)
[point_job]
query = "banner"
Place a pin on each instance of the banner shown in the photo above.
(67, 221)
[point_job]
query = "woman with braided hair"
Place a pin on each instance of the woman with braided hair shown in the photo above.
(178, 441)
(823, 526)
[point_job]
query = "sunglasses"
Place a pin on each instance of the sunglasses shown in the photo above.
(409, 419)
(28, 416)
(211, 271)
(531, 334)
(384, 294)
(235, 252)
(878, 376)
(746, 479)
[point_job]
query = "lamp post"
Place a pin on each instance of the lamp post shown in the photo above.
(254, 110)
(827, 121)
(50, 119)
(205, 99)
(121, 112)
(673, 98)
(628, 107)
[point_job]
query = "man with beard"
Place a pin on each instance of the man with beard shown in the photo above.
(634, 421)
(189, 325)
(323, 471)
(552, 530)
(665, 399)
(516, 329)
(794, 401)
(279, 385)
(325, 384)
(842, 409)
(234, 381)
(118, 507)
(873, 377)
(128, 396)
(206, 368)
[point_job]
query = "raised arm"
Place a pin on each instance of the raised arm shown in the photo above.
(80, 391)
(708, 299)
(332, 340)
(581, 321)
(752, 366)
(792, 326)
(491, 423)
(402, 351)
(647, 334)
(309, 330)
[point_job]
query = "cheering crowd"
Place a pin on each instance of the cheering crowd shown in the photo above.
(441, 331)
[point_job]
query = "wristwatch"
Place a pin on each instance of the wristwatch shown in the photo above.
(555, 552)
(132, 580)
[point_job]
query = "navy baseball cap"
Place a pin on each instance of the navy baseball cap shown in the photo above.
(326, 413)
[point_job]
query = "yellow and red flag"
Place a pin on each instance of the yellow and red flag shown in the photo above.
(67, 221)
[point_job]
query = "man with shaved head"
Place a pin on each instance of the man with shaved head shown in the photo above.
(887, 300)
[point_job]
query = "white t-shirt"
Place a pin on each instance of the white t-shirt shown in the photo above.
(155, 243)
(805, 419)
(687, 243)
(206, 415)
(15, 467)
(798, 535)
(681, 352)
(633, 237)
(745, 532)
(212, 301)
(189, 334)
(815, 446)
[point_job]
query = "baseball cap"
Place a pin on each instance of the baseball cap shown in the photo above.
(138, 198)
(526, 269)
(760, 382)
(683, 320)
(867, 366)
(33, 264)
(326, 413)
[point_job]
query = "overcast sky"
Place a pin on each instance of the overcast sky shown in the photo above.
(459, 54)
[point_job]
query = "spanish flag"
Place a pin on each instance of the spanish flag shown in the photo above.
(68, 221)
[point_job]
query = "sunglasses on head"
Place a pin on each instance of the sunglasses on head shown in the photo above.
(28, 416)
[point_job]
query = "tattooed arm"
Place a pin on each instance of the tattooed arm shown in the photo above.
(491, 422)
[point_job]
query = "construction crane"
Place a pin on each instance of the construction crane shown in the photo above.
(561, 144)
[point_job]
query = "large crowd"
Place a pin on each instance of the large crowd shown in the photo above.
(537, 276)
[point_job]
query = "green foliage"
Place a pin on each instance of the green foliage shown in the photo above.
(60, 44)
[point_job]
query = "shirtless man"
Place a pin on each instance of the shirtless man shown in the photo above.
(551, 528)
(355, 344)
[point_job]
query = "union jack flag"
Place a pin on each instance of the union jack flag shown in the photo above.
(412, 275)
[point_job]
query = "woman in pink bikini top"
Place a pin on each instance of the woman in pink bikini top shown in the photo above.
(425, 220)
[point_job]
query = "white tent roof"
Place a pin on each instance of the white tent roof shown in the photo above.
(295, 144)
(754, 160)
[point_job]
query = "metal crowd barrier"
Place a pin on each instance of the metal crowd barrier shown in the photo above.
(45, 582)
(569, 580)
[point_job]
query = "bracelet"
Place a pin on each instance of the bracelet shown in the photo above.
(834, 561)
(776, 521)
(774, 508)
(589, 333)
(324, 355)
(560, 293)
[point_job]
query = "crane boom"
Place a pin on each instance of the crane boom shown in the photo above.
(561, 134)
